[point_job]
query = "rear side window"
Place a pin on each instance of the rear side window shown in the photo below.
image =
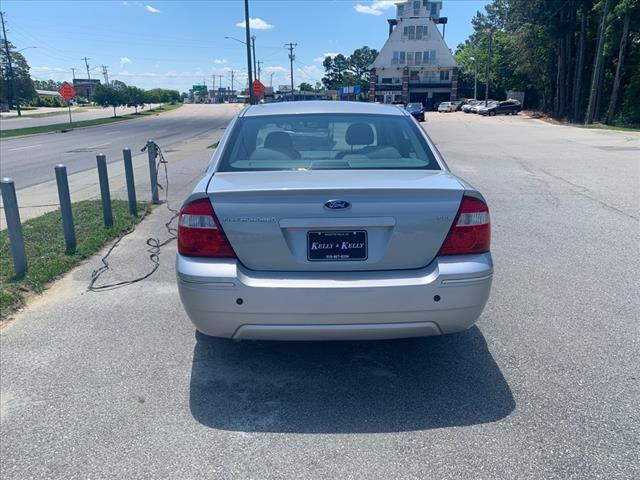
(326, 141)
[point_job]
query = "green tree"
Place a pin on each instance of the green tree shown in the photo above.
(135, 97)
(23, 89)
(109, 97)
(305, 87)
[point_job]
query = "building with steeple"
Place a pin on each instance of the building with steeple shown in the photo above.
(415, 64)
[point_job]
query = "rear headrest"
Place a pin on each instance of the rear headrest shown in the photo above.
(359, 134)
(277, 140)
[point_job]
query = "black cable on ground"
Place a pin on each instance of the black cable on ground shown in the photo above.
(154, 244)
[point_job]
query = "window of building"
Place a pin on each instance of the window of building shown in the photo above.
(418, 58)
(387, 80)
(416, 8)
(397, 80)
(432, 57)
(434, 9)
(421, 31)
(412, 32)
(414, 75)
(425, 2)
(444, 75)
(401, 58)
(409, 58)
(394, 59)
(400, 10)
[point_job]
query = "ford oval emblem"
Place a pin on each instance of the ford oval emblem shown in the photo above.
(337, 205)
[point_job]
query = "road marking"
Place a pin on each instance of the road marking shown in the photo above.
(23, 148)
(101, 145)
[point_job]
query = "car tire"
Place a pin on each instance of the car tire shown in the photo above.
(492, 114)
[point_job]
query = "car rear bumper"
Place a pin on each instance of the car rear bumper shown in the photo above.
(224, 299)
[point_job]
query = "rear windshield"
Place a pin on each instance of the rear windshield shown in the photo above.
(326, 141)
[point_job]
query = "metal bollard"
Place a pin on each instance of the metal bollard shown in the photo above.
(104, 190)
(65, 208)
(131, 186)
(153, 173)
(14, 226)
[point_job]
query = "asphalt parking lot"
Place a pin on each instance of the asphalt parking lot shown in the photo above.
(118, 384)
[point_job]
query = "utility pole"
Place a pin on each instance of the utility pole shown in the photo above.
(292, 57)
(105, 74)
(231, 82)
(248, 37)
(73, 72)
(259, 69)
(486, 90)
(11, 89)
(86, 63)
(475, 78)
(253, 46)
(271, 79)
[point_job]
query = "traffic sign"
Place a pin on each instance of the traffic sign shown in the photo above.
(258, 88)
(67, 91)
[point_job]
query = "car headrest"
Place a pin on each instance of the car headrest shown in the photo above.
(277, 140)
(359, 134)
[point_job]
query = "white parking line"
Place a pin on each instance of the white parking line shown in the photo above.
(101, 145)
(23, 148)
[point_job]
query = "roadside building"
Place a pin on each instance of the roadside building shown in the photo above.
(48, 94)
(85, 86)
(415, 64)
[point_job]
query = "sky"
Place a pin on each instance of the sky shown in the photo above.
(176, 44)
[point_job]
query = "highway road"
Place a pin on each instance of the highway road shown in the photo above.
(10, 122)
(30, 160)
(545, 386)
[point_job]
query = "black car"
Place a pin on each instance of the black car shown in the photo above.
(417, 110)
(506, 107)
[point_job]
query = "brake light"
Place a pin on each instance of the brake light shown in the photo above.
(471, 229)
(199, 232)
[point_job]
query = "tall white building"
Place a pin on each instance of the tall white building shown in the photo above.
(415, 64)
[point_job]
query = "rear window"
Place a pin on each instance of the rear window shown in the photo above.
(326, 141)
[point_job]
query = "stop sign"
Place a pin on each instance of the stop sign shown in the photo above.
(67, 91)
(258, 87)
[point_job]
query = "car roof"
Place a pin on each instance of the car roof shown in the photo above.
(320, 106)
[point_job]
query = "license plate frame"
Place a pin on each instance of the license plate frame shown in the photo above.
(334, 248)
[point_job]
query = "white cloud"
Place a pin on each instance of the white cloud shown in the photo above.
(376, 7)
(50, 69)
(256, 24)
(324, 55)
(275, 69)
(221, 61)
(151, 9)
(124, 61)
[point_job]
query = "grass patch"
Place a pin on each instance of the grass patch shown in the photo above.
(600, 126)
(45, 248)
(18, 132)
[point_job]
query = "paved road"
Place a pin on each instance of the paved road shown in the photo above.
(11, 122)
(30, 160)
(118, 385)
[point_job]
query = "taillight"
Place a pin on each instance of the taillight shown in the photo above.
(471, 230)
(199, 232)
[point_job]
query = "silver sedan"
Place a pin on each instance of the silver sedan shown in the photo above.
(331, 221)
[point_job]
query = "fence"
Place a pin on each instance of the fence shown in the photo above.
(12, 213)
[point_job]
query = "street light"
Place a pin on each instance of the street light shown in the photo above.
(475, 80)
(23, 49)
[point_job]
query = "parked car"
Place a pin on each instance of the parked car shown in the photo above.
(331, 220)
(446, 107)
(472, 103)
(457, 105)
(506, 107)
(417, 110)
(481, 105)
